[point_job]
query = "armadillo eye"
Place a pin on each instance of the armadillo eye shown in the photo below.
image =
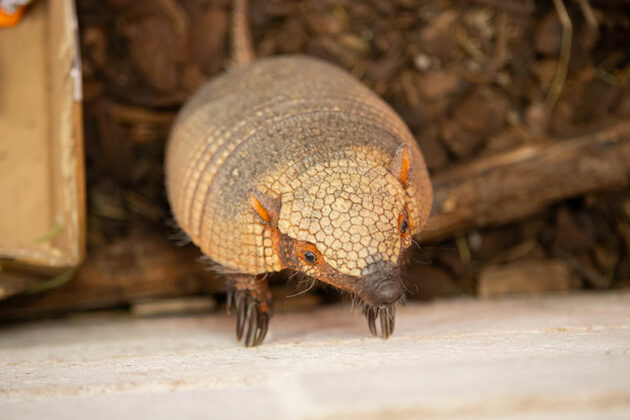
(403, 223)
(404, 226)
(309, 257)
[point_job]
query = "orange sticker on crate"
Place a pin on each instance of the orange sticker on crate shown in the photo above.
(7, 20)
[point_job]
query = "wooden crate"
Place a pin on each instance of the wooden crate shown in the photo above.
(42, 187)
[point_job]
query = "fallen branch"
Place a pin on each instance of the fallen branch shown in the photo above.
(510, 186)
(142, 266)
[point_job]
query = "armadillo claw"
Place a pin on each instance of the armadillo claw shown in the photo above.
(252, 320)
(387, 320)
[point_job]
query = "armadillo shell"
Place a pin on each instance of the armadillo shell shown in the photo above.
(259, 126)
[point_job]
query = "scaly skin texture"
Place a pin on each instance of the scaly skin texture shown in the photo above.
(318, 144)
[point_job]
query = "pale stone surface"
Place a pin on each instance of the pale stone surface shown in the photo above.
(566, 356)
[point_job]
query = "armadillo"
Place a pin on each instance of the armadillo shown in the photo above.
(289, 162)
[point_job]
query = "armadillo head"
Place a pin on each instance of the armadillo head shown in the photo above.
(346, 223)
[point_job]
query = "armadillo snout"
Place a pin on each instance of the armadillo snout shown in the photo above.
(388, 294)
(383, 285)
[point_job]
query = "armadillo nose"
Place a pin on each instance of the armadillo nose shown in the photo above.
(388, 293)
(382, 284)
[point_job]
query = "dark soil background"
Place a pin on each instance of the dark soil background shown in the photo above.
(470, 78)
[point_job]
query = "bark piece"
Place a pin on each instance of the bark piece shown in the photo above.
(525, 277)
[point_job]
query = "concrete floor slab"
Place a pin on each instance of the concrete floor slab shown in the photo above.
(517, 358)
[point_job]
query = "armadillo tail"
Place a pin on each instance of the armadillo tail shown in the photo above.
(242, 51)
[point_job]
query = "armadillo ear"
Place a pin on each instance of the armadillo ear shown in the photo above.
(400, 165)
(265, 207)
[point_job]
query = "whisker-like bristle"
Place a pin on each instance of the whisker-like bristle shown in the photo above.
(354, 303)
(215, 267)
(417, 261)
(304, 291)
(405, 287)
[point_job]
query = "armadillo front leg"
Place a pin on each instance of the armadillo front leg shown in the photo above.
(251, 296)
